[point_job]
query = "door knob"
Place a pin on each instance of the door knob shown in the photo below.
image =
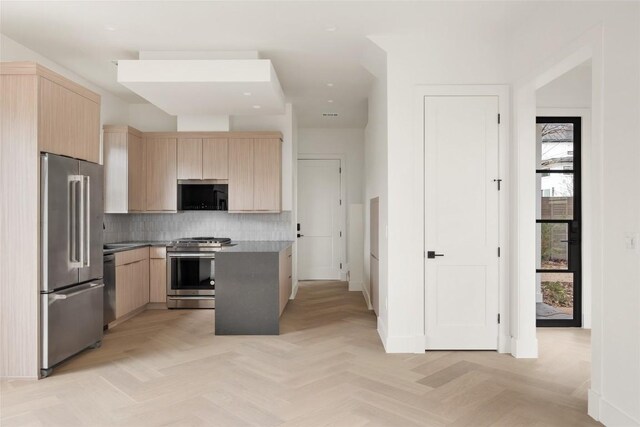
(433, 254)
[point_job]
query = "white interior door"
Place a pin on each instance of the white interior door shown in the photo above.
(319, 214)
(461, 222)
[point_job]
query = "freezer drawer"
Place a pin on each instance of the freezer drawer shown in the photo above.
(71, 321)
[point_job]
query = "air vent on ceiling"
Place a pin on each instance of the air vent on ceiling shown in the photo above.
(329, 114)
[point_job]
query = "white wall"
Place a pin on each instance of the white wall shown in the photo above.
(350, 144)
(460, 44)
(611, 33)
(571, 90)
(489, 43)
(149, 118)
(375, 177)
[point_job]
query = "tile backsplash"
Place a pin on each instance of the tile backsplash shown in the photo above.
(144, 227)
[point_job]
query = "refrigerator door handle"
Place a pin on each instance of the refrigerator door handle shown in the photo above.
(58, 296)
(75, 241)
(81, 232)
(86, 255)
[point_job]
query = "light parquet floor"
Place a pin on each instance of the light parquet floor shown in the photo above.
(328, 368)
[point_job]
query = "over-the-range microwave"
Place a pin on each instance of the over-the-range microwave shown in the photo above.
(203, 195)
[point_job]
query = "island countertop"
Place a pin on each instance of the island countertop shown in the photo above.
(257, 246)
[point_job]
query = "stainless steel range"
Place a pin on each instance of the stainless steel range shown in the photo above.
(191, 271)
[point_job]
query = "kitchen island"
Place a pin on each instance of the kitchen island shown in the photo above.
(253, 286)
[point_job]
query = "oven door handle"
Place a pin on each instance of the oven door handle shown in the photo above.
(190, 255)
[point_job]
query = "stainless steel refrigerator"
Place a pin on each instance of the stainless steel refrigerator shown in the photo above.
(71, 288)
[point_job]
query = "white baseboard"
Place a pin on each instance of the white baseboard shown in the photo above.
(382, 333)
(400, 344)
(355, 286)
(593, 398)
(294, 292)
(608, 414)
(504, 346)
(524, 348)
(367, 298)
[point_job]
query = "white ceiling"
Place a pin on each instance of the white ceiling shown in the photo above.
(87, 36)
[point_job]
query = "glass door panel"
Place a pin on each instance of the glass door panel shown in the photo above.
(558, 264)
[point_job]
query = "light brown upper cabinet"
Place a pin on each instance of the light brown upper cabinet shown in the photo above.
(190, 158)
(203, 158)
(255, 171)
(215, 158)
(124, 170)
(162, 183)
(68, 120)
(267, 175)
(241, 175)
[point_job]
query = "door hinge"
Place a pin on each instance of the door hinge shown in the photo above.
(499, 181)
(498, 318)
(339, 170)
(340, 266)
(498, 252)
(341, 234)
(498, 118)
(340, 202)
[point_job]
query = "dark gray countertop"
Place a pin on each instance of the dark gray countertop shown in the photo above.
(257, 246)
(127, 246)
(236, 246)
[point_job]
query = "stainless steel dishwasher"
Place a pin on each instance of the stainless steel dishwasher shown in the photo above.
(109, 289)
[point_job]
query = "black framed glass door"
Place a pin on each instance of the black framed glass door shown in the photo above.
(558, 222)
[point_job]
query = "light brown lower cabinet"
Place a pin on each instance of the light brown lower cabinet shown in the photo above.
(132, 280)
(158, 274)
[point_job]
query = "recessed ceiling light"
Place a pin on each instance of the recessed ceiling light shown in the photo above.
(257, 107)
(330, 84)
(331, 28)
(110, 28)
(246, 93)
(330, 101)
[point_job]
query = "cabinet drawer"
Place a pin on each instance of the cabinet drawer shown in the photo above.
(127, 257)
(157, 252)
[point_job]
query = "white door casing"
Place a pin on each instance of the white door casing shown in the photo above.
(461, 222)
(319, 214)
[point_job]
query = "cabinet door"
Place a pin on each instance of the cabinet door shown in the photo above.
(157, 280)
(137, 175)
(124, 290)
(141, 283)
(115, 172)
(241, 175)
(190, 158)
(69, 124)
(267, 176)
(162, 185)
(215, 158)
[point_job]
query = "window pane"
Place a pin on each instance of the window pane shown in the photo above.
(555, 146)
(554, 296)
(556, 196)
(554, 249)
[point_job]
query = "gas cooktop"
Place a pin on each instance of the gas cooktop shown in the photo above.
(201, 242)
